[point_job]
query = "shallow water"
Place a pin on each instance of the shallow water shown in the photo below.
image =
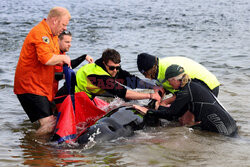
(214, 33)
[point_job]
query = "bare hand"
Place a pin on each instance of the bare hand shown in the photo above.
(163, 103)
(168, 101)
(157, 105)
(142, 110)
(89, 59)
(156, 96)
(67, 60)
(159, 89)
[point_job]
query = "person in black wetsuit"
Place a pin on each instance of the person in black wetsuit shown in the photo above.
(209, 114)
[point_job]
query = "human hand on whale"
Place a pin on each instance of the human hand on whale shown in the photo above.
(142, 110)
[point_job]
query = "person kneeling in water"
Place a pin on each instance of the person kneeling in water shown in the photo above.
(209, 114)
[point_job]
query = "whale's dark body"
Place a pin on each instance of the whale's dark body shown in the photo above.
(121, 122)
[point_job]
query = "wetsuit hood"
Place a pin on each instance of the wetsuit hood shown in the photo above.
(100, 63)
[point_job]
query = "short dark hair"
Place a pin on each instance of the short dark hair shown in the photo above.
(64, 33)
(111, 54)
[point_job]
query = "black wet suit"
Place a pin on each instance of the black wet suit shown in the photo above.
(203, 104)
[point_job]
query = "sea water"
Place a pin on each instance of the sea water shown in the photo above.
(211, 32)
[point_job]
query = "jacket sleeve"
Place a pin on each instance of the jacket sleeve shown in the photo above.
(177, 108)
(108, 84)
(133, 81)
(77, 61)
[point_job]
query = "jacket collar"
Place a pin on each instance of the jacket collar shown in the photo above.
(47, 27)
(100, 63)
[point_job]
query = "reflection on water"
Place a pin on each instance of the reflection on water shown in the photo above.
(214, 33)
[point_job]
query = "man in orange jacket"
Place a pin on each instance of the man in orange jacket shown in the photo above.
(35, 70)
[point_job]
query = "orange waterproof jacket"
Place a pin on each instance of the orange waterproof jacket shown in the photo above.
(32, 75)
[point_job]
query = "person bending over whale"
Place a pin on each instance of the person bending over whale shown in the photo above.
(153, 67)
(193, 96)
(106, 76)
